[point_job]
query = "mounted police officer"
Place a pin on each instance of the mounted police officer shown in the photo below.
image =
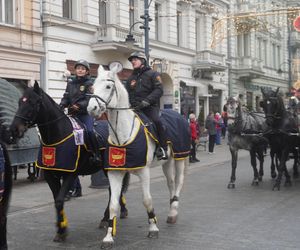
(145, 89)
(76, 100)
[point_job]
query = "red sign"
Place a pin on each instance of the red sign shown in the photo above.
(117, 157)
(297, 23)
(48, 155)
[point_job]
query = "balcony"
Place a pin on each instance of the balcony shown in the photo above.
(112, 37)
(209, 61)
(248, 68)
(295, 39)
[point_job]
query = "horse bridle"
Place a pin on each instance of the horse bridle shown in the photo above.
(274, 116)
(30, 122)
(114, 89)
(106, 103)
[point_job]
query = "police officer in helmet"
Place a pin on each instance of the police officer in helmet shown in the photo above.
(145, 88)
(76, 100)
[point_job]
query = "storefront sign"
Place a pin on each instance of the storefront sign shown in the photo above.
(254, 87)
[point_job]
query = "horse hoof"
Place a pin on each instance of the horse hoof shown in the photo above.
(172, 219)
(231, 186)
(107, 245)
(276, 186)
(254, 183)
(273, 175)
(260, 178)
(153, 234)
(60, 237)
(103, 224)
(124, 214)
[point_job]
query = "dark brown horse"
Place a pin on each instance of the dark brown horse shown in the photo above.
(282, 133)
(36, 107)
(5, 185)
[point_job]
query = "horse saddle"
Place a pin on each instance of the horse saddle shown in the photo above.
(93, 141)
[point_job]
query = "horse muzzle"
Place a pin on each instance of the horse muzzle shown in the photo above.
(96, 108)
(18, 131)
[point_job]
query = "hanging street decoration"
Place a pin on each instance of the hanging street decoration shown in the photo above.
(297, 23)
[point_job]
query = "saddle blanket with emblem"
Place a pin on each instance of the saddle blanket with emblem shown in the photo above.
(65, 155)
(130, 156)
(177, 132)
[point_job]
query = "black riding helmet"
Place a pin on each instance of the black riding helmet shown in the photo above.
(139, 55)
(83, 63)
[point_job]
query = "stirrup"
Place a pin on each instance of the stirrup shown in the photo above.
(161, 154)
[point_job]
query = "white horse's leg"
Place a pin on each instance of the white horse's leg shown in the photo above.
(168, 169)
(179, 166)
(115, 181)
(144, 175)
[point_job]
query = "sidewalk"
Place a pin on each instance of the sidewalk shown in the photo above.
(41, 195)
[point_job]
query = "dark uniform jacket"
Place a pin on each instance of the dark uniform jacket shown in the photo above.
(144, 84)
(76, 93)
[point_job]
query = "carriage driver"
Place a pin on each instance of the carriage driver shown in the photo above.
(145, 88)
(294, 102)
(76, 100)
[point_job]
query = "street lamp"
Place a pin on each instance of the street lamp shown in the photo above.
(130, 39)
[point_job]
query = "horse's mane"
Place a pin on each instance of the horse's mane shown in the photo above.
(247, 121)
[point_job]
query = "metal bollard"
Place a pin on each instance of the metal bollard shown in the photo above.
(99, 180)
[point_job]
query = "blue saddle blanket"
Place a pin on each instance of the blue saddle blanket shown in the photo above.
(65, 155)
(177, 132)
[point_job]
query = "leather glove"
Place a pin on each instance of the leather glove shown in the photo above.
(73, 109)
(143, 104)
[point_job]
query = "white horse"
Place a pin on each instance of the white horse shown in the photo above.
(110, 95)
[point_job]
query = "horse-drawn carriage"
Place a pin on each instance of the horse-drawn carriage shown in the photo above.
(24, 152)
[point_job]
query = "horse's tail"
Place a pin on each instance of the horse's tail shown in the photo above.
(125, 182)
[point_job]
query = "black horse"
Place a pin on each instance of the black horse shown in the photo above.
(36, 107)
(282, 132)
(244, 132)
(5, 186)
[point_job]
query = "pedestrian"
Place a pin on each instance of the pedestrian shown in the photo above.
(194, 137)
(76, 100)
(224, 116)
(75, 190)
(218, 118)
(145, 89)
(210, 125)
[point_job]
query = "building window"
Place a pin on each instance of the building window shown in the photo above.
(131, 12)
(158, 22)
(179, 28)
(7, 11)
(72, 9)
(67, 9)
(102, 12)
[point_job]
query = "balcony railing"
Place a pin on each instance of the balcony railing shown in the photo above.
(249, 67)
(210, 61)
(114, 33)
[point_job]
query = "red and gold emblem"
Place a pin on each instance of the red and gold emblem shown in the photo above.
(48, 155)
(117, 157)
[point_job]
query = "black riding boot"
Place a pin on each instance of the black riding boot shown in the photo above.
(95, 159)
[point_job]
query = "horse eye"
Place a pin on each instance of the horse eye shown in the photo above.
(108, 86)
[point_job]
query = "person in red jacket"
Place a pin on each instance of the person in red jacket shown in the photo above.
(194, 137)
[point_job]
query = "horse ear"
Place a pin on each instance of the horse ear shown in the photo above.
(100, 70)
(36, 87)
(262, 91)
(276, 92)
